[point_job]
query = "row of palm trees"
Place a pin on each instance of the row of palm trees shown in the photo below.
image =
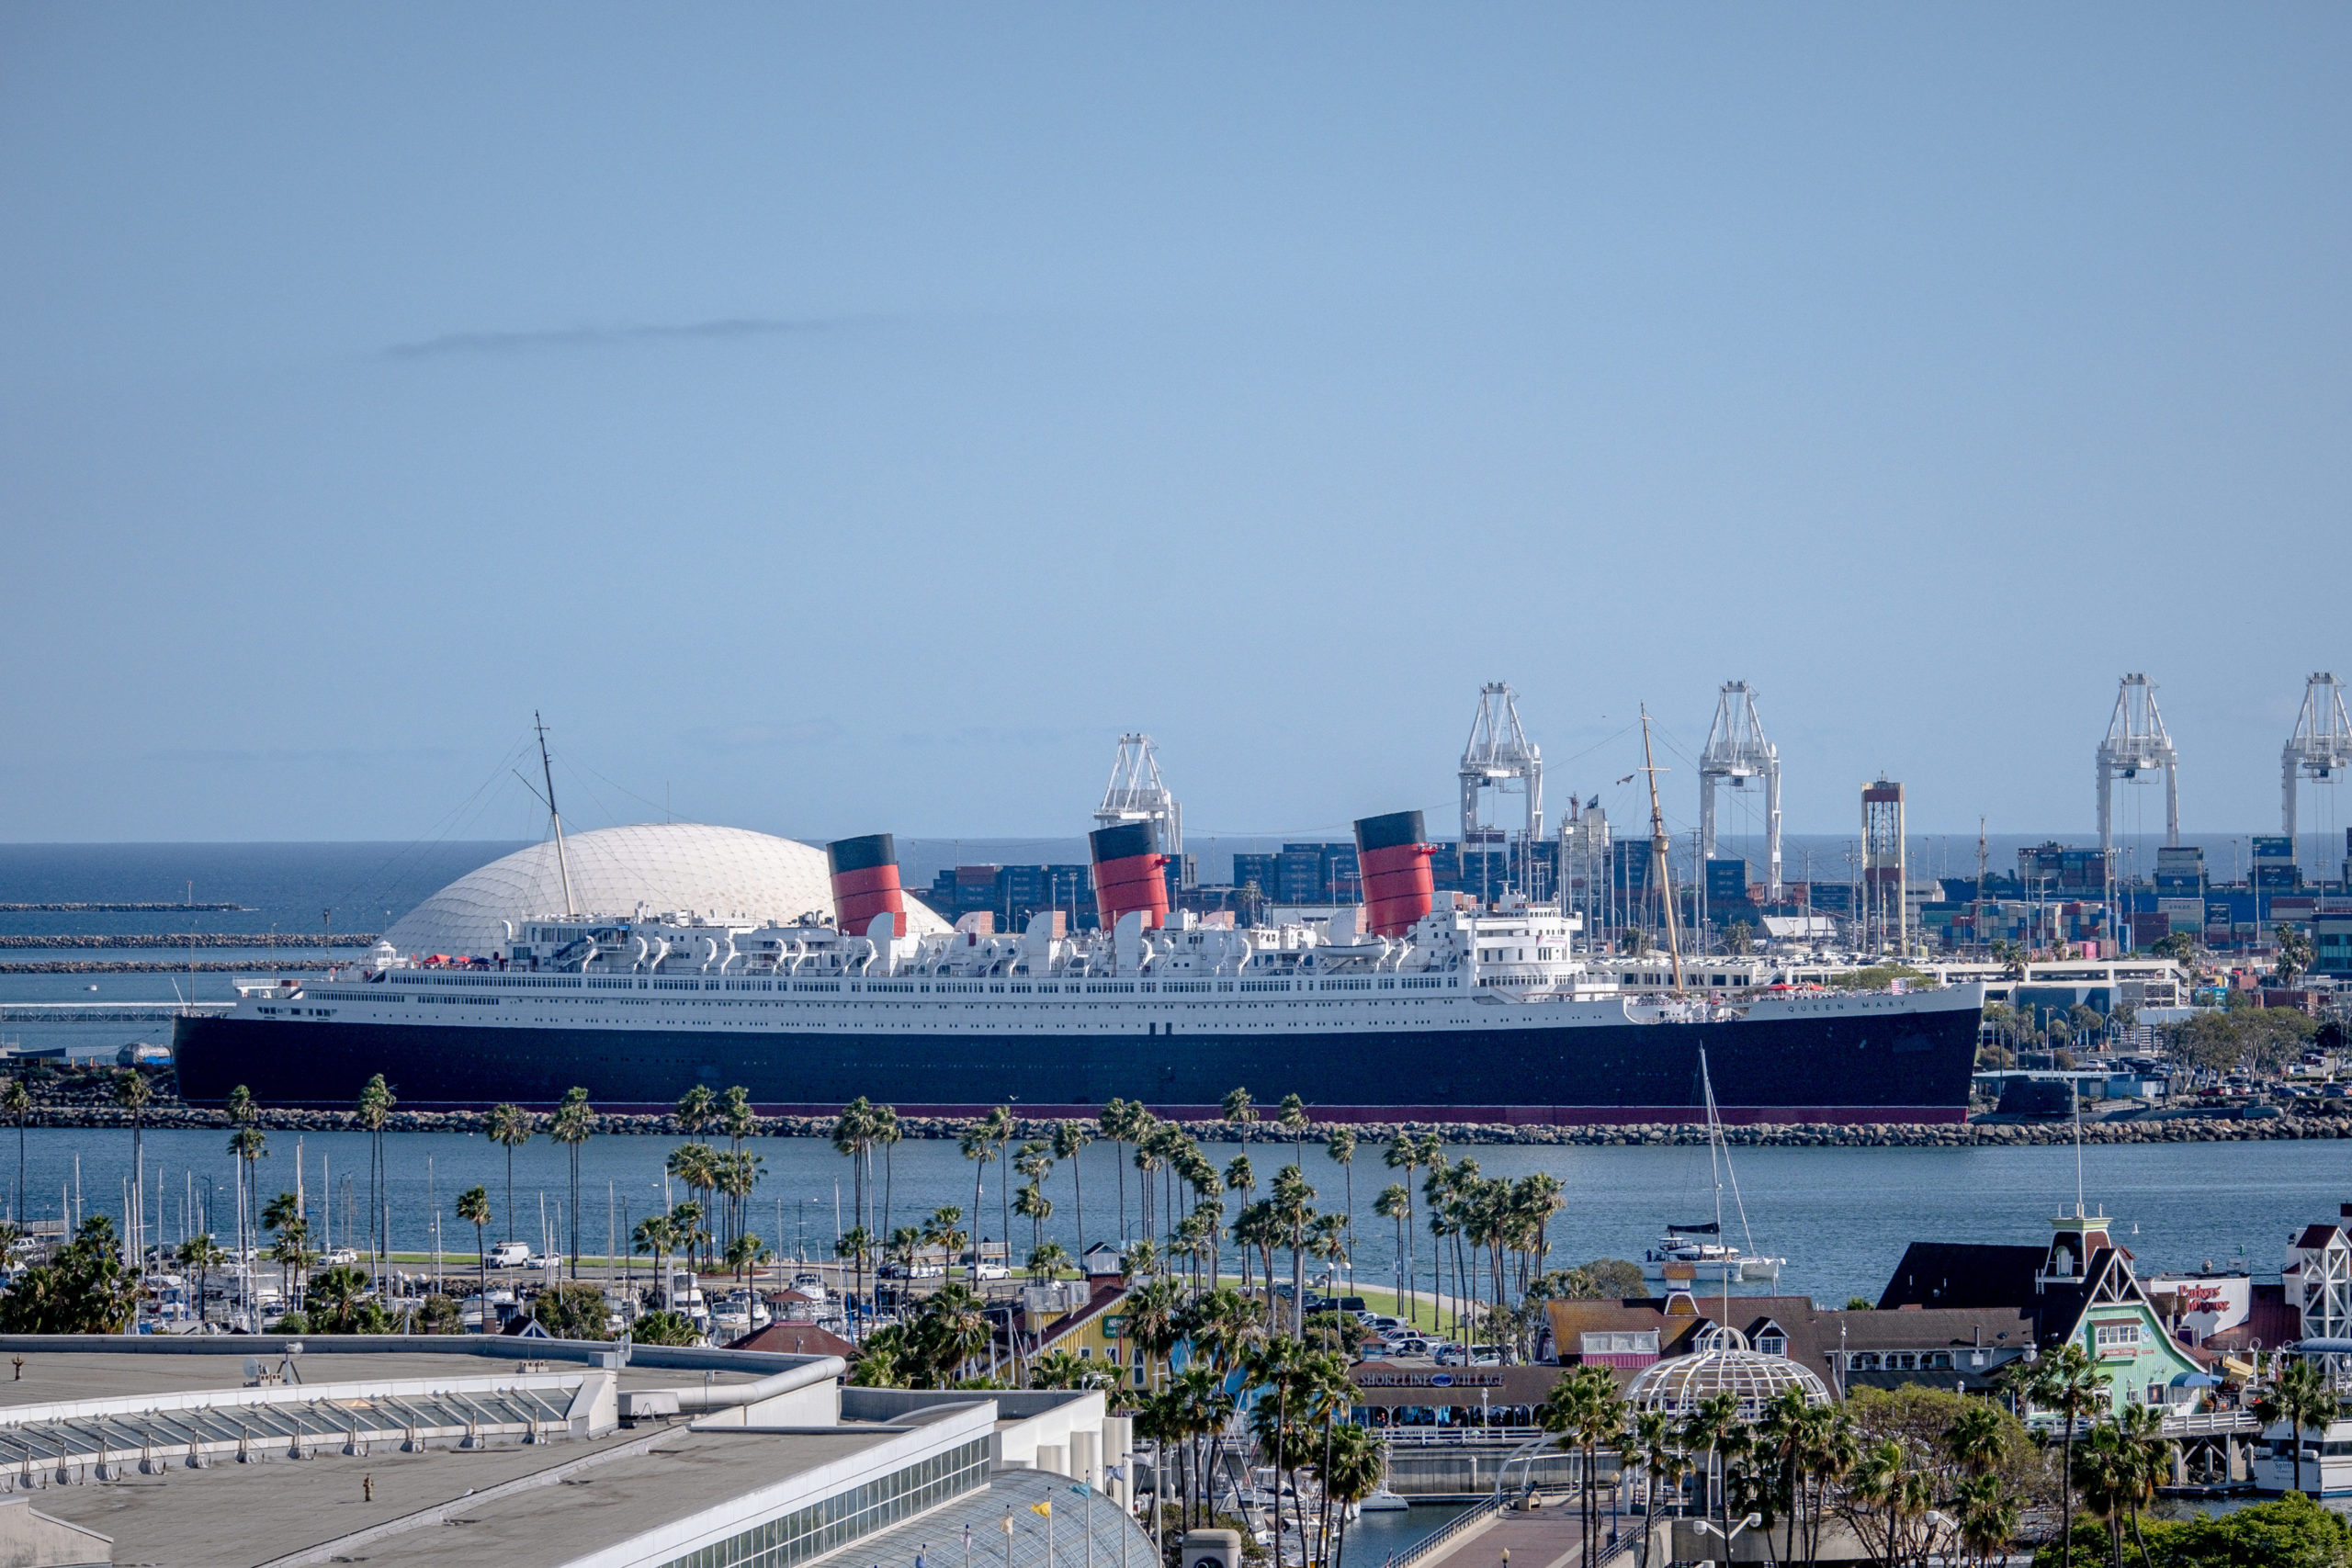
(1491, 1235)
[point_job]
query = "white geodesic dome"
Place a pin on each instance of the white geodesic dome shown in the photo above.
(1680, 1385)
(724, 873)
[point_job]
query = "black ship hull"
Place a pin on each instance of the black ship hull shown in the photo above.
(1906, 1067)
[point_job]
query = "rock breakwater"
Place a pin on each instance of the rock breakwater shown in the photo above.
(2176, 1130)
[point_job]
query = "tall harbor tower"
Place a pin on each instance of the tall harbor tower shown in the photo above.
(2319, 749)
(1500, 756)
(1884, 914)
(2136, 740)
(1737, 752)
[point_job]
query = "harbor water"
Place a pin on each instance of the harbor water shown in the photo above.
(1841, 1217)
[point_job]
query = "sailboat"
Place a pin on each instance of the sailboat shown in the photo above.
(1697, 1254)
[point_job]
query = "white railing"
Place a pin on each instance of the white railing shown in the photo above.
(1457, 1436)
(1442, 1534)
(2210, 1423)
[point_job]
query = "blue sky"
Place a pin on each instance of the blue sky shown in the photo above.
(855, 417)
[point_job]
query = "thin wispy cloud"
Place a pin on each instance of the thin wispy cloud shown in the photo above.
(722, 329)
(791, 735)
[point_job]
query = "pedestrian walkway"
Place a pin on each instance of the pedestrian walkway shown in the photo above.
(1541, 1538)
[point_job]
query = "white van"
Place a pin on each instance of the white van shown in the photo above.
(510, 1255)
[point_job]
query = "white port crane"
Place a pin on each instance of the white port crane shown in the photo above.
(1500, 756)
(1737, 751)
(1137, 794)
(2136, 740)
(2320, 748)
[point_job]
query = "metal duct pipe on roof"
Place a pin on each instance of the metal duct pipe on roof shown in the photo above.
(644, 1402)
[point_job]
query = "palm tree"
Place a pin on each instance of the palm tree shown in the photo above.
(745, 1253)
(695, 1107)
(1241, 1112)
(1341, 1148)
(1221, 1326)
(473, 1207)
(1988, 1517)
(132, 1091)
(1037, 1208)
(1001, 1128)
(1406, 1153)
(1977, 1439)
(2141, 1429)
(1351, 1470)
(1195, 1235)
(657, 1235)
(292, 1252)
(1885, 1479)
(2067, 1381)
(1115, 1119)
(852, 1136)
(1327, 1243)
(1664, 1460)
(735, 1116)
(694, 1166)
(2104, 1470)
(375, 1105)
(1395, 1204)
(250, 1144)
(1189, 1407)
(1070, 1139)
(2300, 1396)
(945, 1229)
(510, 1128)
(1587, 1412)
(18, 1101)
(202, 1254)
(957, 1324)
(1714, 1425)
(887, 1135)
(902, 1244)
(1242, 1182)
(1061, 1368)
(575, 1122)
(1044, 1261)
(980, 1142)
(1291, 1118)
(279, 1214)
(1151, 1322)
(1294, 1202)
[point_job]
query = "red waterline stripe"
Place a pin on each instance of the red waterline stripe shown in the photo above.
(1483, 1115)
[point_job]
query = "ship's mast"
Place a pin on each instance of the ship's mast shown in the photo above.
(1660, 877)
(546, 772)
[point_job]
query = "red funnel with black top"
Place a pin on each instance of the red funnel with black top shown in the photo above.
(1129, 874)
(866, 883)
(1398, 888)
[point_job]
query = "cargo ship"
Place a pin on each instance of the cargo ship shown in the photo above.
(1402, 1009)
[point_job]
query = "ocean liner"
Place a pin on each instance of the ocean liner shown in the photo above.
(1407, 1008)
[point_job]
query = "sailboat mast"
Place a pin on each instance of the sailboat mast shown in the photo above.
(1661, 877)
(546, 772)
(1715, 1158)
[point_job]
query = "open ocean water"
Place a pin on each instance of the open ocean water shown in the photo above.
(1841, 1217)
